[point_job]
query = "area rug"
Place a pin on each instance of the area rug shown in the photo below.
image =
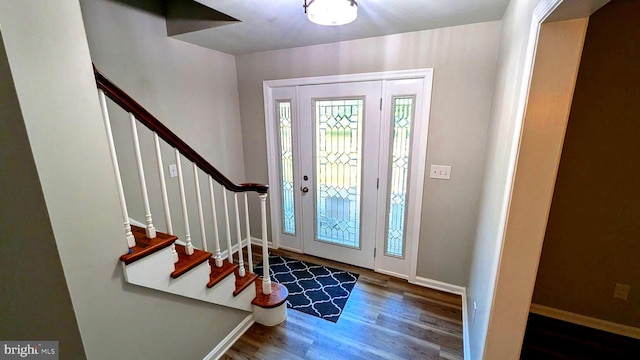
(313, 289)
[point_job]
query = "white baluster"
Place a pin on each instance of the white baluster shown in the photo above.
(131, 241)
(246, 222)
(165, 198)
(266, 281)
(150, 229)
(183, 202)
(199, 200)
(241, 271)
(226, 220)
(215, 223)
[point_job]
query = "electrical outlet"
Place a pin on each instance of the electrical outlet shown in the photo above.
(621, 291)
(173, 170)
(440, 172)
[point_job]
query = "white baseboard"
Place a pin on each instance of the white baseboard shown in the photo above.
(291, 249)
(234, 249)
(391, 273)
(587, 321)
(466, 343)
(439, 285)
(230, 339)
(257, 241)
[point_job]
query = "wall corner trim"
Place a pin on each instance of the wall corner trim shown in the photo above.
(230, 339)
(587, 321)
(466, 340)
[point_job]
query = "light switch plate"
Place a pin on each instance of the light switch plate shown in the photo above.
(440, 172)
(173, 170)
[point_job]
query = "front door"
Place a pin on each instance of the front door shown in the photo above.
(350, 155)
(339, 142)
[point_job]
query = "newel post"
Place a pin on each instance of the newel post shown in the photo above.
(266, 280)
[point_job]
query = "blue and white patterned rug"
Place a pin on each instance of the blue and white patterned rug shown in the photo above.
(313, 289)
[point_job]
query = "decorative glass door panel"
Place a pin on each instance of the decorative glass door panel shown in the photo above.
(338, 157)
(400, 151)
(283, 111)
(340, 129)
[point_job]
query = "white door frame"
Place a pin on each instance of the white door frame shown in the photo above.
(418, 172)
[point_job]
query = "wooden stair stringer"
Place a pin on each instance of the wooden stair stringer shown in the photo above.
(154, 271)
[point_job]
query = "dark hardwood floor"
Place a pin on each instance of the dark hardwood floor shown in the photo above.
(550, 339)
(385, 318)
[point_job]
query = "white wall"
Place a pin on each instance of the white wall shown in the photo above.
(511, 225)
(191, 89)
(49, 59)
(463, 59)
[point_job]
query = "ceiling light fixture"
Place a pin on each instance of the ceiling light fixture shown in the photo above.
(331, 12)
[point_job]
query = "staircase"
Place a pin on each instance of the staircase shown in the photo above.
(160, 260)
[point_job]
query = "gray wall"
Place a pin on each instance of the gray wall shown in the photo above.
(51, 67)
(463, 59)
(591, 241)
(191, 89)
(500, 157)
(35, 303)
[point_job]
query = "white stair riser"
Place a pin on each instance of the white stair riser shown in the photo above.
(153, 271)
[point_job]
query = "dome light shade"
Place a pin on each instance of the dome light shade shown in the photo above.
(331, 12)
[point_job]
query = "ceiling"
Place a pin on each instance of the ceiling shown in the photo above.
(279, 24)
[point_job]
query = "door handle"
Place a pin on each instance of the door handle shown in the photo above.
(304, 189)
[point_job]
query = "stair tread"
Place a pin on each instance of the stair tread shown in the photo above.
(146, 246)
(188, 262)
(243, 282)
(219, 273)
(278, 295)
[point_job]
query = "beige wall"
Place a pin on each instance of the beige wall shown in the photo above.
(591, 241)
(35, 303)
(463, 59)
(49, 59)
(191, 89)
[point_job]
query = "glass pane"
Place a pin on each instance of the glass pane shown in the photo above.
(286, 167)
(400, 151)
(338, 154)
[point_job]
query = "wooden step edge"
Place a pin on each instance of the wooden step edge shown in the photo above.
(278, 295)
(219, 273)
(145, 246)
(243, 282)
(188, 262)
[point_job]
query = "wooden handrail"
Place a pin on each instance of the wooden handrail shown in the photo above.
(129, 104)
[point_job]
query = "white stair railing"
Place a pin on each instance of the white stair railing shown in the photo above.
(241, 270)
(131, 241)
(199, 202)
(150, 229)
(183, 203)
(248, 229)
(138, 114)
(163, 193)
(216, 233)
(227, 226)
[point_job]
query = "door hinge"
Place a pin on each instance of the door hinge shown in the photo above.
(378, 183)
(380, 104)
(374, 252)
